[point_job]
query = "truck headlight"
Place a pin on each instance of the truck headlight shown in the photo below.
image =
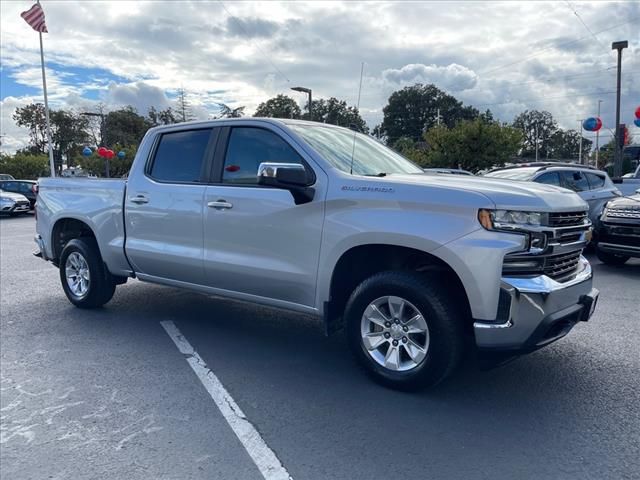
(509, 219)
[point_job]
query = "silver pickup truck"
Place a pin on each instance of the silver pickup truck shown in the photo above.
(418, 269)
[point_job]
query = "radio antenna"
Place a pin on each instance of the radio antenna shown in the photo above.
(353, 150)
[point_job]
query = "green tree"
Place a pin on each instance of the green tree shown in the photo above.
(565, 145)
(536, 127)
(337, 112)
(32, 116)
(68, 135)
(124, 127)
(280, 106)
(25, 166)
(167, 116)
(229, 112)
(472, 145)
(117, 166)
(413, 110)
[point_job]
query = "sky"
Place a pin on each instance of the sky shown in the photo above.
(504, 56)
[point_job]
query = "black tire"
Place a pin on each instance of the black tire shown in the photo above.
(611, 258)
(101, 285)
(445, 321)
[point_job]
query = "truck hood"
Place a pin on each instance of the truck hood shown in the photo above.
(505, 194)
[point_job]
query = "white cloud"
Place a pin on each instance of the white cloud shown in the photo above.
(506, 56)
(452, 77)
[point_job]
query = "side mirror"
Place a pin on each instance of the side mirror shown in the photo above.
(616, 180)
(288, 176)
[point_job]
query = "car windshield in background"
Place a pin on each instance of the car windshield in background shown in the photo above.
(514, 174)
(336, 145)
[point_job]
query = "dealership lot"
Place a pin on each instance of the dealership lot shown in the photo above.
(107, 394)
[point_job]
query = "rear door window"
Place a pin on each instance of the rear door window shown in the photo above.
(574, 180)
(180, 156)
(595, 181)
(549, 178)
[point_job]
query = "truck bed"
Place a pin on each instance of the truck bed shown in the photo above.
(97, 203)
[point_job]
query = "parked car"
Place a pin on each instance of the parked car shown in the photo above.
(619, 230)
(28, 188)
(447, 171)
(594, 186)
(628, 184)
(318, 219)
(6, 176)
(13, 203)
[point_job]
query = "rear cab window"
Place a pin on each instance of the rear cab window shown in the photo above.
(180, 156)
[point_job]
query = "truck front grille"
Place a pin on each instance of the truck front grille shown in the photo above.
(628, 212)
(567, 219)
(562, 267)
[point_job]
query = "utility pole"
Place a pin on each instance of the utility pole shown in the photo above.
(617, 167)
(536, 141)
(598, 136)
(438, 118)
(580, 148)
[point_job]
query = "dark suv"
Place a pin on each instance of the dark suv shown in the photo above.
(28, 188)
(619, 230)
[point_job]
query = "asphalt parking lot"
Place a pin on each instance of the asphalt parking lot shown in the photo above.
(106, 393)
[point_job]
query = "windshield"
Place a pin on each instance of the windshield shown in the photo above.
(514, 174)
(336, 145)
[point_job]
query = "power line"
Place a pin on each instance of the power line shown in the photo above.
(257, 45)
(539, 52)
(533, 100)
(575, 12)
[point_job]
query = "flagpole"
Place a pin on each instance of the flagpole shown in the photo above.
(52, 164)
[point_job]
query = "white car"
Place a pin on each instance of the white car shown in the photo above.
(13, 203)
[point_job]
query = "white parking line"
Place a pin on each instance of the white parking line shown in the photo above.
(264, 458)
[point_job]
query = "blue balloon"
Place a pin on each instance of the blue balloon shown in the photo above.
(590, 124)
(121, 154)
(86, 151)
(636, 122)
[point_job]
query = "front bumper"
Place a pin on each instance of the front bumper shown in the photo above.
(536, 311)
(622, 237)
(16, 207)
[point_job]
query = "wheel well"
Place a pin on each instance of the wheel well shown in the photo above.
(361, 262)
(67, 229)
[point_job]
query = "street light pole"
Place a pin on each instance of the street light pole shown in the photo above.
(308, 92)
(617, 167)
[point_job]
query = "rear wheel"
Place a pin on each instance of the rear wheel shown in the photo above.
(611, 258)
(84, 278)
(404, 329)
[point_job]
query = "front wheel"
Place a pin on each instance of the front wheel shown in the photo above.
(404, 329)
(611, 258)
(85, 280)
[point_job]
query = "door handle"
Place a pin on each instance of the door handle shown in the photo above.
(220, 205)
(139, 199)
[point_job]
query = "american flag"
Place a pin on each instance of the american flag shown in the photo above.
(35, 18)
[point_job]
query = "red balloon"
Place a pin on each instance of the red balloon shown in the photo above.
(110, 154)
(102, 151)
(638, 112)
(598, 124)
